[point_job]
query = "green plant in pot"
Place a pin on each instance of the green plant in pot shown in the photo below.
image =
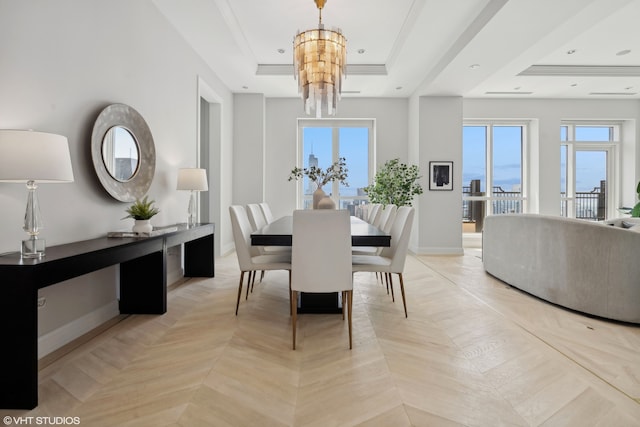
(142, 211)
(635, 212)
(395, 183)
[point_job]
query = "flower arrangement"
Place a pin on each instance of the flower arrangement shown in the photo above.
(336, 172)
(141, 209)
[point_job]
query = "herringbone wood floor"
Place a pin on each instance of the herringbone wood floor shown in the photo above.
(472, 352)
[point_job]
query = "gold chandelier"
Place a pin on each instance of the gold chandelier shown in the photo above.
(319, 61)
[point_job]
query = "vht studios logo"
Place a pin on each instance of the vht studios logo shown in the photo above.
(42, 421)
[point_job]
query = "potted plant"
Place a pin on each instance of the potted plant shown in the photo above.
(320, 177)
(635, 212)
(142, 211)
(395, 183)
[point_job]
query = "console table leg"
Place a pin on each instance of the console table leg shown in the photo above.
(199, 257)
(19, 320)
(143, 284)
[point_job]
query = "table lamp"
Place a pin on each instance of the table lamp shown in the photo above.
(192, 179)
(33, 158)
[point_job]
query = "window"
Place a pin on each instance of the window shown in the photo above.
(492, 171)
(587, 184)
(322, 142)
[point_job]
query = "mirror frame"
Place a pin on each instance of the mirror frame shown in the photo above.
(127, 117)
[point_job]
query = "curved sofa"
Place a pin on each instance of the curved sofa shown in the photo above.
(586, 266)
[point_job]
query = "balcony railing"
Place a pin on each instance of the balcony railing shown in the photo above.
(474, 210)
(589, 205)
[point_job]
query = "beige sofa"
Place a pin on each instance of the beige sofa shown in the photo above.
(586, 266)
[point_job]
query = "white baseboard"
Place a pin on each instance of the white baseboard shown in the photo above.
(227, 249)
(174, 276)
(67, 333)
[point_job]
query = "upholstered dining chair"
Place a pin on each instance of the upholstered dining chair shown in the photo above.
(384, 222)
(258, 220)
(391, 259)
(248, 260)
(266, 211)
(387, 213)
(256, 216)
(321, 258)
(374, 209)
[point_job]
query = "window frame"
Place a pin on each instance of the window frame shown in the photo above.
(335, 125)
(490, 198)
(612, 150)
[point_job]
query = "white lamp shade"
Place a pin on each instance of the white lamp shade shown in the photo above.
(192, 179)
(34, 156)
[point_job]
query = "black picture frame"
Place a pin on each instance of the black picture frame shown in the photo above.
(441, 176)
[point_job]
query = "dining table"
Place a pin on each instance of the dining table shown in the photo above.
(279, 233)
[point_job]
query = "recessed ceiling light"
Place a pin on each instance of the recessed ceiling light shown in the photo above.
(474, 66)
(280, 50)
(571, 51)
(628, 87)
(245, 87)
(574, 84)
(517, 88)
(624, 52)
(398, 87)
(361, 51)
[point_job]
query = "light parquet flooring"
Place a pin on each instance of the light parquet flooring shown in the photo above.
(473, 352)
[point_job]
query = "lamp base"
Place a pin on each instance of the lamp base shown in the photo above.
(33, 248)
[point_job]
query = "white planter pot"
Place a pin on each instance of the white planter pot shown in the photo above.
(142, 226)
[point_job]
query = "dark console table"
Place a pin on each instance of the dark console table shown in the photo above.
(143, 290)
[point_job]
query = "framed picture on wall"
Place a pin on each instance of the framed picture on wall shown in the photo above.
(440, 176)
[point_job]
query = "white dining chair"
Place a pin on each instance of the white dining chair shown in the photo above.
(266, 211)
(384, 223)
(391, 259)
(374, 209)
(258, 220)
(321, 258)
(386, 213)
(248, 260)
(256, 216)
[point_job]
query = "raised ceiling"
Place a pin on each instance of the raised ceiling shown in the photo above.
(471, 48)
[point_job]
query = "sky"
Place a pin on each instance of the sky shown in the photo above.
(507, 155)
(353, 146)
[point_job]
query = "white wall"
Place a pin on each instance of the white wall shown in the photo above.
(439, 218)
(62, 63)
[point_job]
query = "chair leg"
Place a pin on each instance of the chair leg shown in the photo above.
(249, 283)
(291, 304)
(344, 302)
(350, 299)
(294, 297)
(261, 276)
(404, 301)
(393, 298)
(239, 291)
(386, 278)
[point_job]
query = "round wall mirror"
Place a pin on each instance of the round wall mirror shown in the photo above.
(120, 153)
(123, 152)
